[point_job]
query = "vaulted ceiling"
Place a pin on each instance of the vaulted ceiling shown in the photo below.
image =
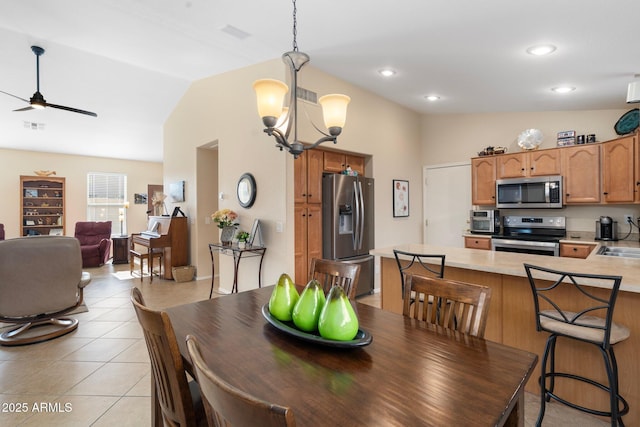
(131, 60)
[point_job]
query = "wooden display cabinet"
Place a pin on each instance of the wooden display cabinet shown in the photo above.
(618, 160)
(42, 208)
(581, 170)
(529, 163)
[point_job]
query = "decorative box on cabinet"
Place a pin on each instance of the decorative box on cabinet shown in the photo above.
(42, 208)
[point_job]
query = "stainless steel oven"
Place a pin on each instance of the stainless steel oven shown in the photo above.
(530, 235)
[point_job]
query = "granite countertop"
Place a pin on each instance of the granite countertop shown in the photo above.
(510, 263)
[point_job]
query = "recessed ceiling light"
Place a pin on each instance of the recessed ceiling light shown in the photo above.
(387, 72)
(432, 97)
(540, 50)
(563, 89)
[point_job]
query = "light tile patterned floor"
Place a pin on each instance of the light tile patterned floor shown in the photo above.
(99, 374)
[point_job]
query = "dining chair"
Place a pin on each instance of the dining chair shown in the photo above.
(175, 401)
(460, 306)
(330, 273)
(417, 263)
(228, 405)
(579, 307)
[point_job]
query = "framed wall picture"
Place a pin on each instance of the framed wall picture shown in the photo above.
(176, 191)
(400, 198)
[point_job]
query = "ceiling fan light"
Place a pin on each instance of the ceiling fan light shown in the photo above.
(334, 110)
(270, 97)
(633, 92)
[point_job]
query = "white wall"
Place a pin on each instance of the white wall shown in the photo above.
(74, 169)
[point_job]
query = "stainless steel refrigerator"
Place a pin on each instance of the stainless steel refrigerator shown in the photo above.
(347, 224)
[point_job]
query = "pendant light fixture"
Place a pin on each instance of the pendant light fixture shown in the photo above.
(280, 121)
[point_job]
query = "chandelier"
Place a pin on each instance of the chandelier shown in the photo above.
(280, 120)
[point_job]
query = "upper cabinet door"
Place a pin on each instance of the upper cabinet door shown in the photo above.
(512, 165)
(618, 182)
(545, 162)
(483, 181)
(580, 167)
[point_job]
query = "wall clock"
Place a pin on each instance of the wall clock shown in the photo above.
(247, 190)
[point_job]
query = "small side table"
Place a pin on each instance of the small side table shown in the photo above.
(237, 253)
(120, 249)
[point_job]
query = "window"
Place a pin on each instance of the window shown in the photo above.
(106, 197)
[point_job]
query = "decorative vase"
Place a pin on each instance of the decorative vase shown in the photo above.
(227, 235)
(242, 245)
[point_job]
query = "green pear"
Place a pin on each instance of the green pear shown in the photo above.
(283, 298)
(306, 312)
(338, 320)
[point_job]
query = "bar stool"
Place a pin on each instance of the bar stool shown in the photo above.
(588, 318)
(431, 264)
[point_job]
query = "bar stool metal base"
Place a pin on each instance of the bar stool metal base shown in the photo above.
(611, 366)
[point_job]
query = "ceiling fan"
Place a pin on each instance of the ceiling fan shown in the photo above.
(37, 100)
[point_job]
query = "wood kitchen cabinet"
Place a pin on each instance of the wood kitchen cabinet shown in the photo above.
(530, 163)
(474, 242)
(308, 239)
(576, 250)
(336, 162)
(618, 174)
(307, 172)
(580, 168)
(483, 181)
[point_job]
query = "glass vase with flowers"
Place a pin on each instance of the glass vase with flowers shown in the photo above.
(226, 221)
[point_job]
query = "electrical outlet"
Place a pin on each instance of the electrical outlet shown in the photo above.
(628, 219)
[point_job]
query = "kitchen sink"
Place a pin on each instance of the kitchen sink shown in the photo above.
(619, 251)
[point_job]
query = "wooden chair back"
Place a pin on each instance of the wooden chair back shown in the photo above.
(417, 263)
(171, 386)
(448, 303)
(330, 273)
(228, 405)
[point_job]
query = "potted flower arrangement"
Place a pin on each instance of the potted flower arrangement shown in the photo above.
(242, 237)
(225, 219)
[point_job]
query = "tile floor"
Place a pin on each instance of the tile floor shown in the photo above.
(99, 374)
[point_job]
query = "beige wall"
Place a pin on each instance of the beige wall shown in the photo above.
(222, 108)
(74, 169)
(451, 138)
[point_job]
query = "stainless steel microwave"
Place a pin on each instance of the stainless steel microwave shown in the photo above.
(535, 192)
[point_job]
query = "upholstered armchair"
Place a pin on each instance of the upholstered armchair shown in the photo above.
(95, 242)
(41, 279)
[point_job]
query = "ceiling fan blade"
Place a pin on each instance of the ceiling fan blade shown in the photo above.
(73, 110)
(10, 94)
(25, 108)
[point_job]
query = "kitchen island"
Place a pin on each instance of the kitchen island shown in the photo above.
(511, 318)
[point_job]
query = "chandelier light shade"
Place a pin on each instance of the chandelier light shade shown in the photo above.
(633, 92)
(270, 95)
(280, 120)
(334, 111)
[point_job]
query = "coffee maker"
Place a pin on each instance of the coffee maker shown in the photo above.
(606, 228)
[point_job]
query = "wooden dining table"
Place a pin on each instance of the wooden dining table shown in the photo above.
(411, 374)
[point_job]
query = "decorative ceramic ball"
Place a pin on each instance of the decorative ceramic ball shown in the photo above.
(530, 139)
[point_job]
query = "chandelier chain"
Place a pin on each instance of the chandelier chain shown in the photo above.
(295, 27)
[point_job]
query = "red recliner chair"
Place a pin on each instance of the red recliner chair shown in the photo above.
(95, 242)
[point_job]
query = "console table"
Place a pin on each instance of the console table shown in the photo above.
(237, 253)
